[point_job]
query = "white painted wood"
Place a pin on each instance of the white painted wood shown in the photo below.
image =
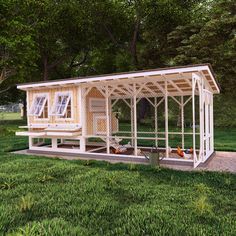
(107, 121)
(83, 120)
(132, 122)
(166, 121)
(58, 112)
(201, 119)
(155, 121)
(196, 159)
(182, 119)
(30, 133)
(62, 134)
(212, 124)
(193, 119)
(37, 106)
(122, 76)
(135, 120)
(54, 143)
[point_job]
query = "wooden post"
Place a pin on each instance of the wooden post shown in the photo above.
(201, 121)
(212, 123)
(83, 122)
(107, 121)
(166, 121)
(182, 120)
(155, 120)
(135, 119)
(28, 118)
(207, 124)
(132, 121)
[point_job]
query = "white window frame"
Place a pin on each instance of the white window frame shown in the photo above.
(31, 113)
(92, 109)
(53, 110)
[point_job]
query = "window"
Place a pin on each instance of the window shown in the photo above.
(44, 113)
(62, 105)
(97, 105)
(38, 105)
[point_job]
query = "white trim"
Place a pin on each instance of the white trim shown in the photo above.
(166, 120)
(122, 76)
(30, 133)
(36, 118)
(53, 111)
(35, 96)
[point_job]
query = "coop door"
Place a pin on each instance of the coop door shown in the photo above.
(208, 134)
(99, 124)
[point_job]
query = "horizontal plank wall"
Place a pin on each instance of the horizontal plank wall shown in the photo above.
(53, 119)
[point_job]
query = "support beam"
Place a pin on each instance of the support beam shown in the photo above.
(54, 143)
(182, 119)
(155, 120)
(212, 123)
(107, 120)
(166, 120)
(83, 121)
(132, 120)
(135, 120)
(201, 119)
(193, 118)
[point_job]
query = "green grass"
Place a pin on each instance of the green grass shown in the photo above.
(10, 116)
(42, 196)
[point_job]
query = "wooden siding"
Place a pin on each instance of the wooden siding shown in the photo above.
(94, 93)
(53, 119)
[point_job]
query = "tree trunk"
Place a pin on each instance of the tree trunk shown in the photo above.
(133, 44)
(45, 68)
(24, 108)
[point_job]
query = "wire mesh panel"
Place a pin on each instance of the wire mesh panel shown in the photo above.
(128, 118)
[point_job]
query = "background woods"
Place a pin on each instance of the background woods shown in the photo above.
(54, 39)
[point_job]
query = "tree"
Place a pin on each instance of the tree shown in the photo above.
(213, 41)
(17, 48)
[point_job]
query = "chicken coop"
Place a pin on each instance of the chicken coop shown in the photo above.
(125, 114)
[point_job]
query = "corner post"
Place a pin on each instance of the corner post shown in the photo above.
(182, 120)
(135, 119)
(107, 120)
(155, 120)
(82, 108)
(201, 119)
(166, 121)
(212, 123)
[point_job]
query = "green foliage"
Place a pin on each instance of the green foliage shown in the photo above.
(45, 178)
(7, 185)
(26, 203)
(202, 206)
(211, 38)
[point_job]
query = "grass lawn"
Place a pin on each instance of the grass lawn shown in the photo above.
(41, 196)
(9, 116)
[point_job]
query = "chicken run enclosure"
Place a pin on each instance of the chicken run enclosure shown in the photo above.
(127, 114)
